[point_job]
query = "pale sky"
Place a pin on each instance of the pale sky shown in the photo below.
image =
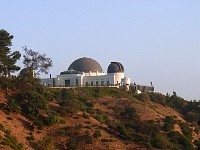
(156, 40)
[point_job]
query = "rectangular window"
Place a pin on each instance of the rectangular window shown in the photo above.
(108, 83)
(86, 83)
(102, 83)
(97, 83)
(91, 83)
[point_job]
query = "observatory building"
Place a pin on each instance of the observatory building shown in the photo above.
(88, 72)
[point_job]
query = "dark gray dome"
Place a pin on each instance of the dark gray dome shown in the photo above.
(85, 65)
(25, 72)
(115, 67)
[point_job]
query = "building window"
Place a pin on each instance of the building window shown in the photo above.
(102, 83)
(108, 83)
(92, 83)
(97, 83)
(86, 83)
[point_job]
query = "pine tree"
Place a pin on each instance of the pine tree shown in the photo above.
(8, 58)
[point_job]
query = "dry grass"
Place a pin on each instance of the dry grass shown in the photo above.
(20, 126)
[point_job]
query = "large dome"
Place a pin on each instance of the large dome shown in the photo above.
(86, 65)
(115, 67)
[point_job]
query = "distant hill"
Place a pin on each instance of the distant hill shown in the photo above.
(37, 117)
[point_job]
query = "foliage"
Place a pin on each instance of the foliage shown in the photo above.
(197, 143)
(11, 141)
(142, 96)
(179, 141)
(47, 143)
(160, 141)
(169, 123)
(36, 62)
(71, 106)
(2, 127)
(35, 100)
(5, 83)
(52, 118)
(130, 113)
(12, 106)
(149, 127)
(30, 137)
(187, 131)
(79, 142)
(8, 59)
(32, 104)
(175, 101)
(157, 98)
(101, 116)
(70, 131)
(97, 133)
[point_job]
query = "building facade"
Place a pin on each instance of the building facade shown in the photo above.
(88, 72)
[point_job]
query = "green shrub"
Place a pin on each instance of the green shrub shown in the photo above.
(2, 127)
(6, 112)
(161, 142)
(12, 106)
(187, 131)
(30, 138)
(84, 115)
(169, 123)
(79, 142)
(157, 98)
(129, 113)
(9, 118)
(185, 143)
(47, 143)
(179, 140)
(97, 133)
(11, 141)
(52, 118)
(72, 144)
(88, 122)
(197, 143)
(70, 131)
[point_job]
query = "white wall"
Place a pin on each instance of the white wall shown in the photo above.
(71, 77)
(94, 73)
(110, 79)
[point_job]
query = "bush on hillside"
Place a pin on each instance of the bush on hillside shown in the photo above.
(161, 142)
(47, 143)
(169, 122)
(12, 106)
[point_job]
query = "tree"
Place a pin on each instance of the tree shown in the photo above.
(169, 122)
(35, 61)
(8, 58)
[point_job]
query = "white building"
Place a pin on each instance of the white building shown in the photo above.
(88, 72)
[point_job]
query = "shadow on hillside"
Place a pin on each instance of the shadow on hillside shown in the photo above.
(33, 145)
(59, 146)
(26, 124)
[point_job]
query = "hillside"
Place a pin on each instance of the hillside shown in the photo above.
(94, 118)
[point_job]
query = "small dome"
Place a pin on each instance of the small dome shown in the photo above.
(25, 72)
(85, 65)
(115, 67)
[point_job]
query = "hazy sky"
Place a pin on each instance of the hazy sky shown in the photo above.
(155, 40)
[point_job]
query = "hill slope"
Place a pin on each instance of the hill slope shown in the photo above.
(97, 120)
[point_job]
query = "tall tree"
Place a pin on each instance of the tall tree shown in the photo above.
(8, 59)
(35, 61)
